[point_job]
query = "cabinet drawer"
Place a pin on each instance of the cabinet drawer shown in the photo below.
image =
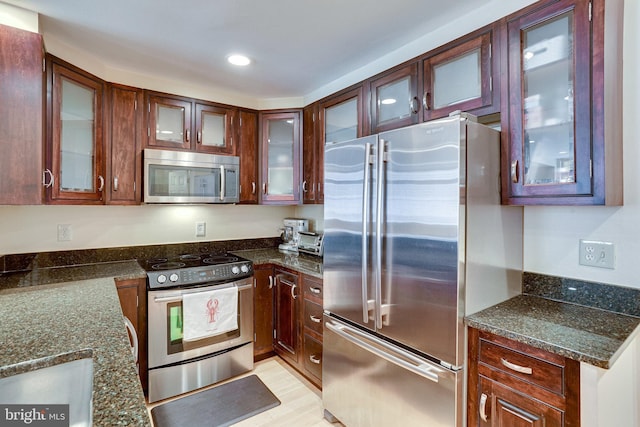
(313, 356)
(313, 289)
(313, 316)
(530, 369)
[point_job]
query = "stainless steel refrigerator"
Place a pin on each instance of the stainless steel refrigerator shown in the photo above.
(415, 238)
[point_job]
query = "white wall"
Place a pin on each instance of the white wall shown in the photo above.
(34, 228)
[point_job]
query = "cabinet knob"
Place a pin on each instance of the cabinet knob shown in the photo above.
(514, 172)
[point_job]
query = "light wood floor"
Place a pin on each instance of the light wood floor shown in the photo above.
(301, 402)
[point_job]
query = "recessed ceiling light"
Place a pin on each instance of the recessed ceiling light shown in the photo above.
(239, 60)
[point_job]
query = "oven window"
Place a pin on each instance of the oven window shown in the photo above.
(174, 331)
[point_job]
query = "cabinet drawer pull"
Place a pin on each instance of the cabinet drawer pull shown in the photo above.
(415, 105)
(315, 319)
(426, 100)
(101, 187)
(483, 407)
(253, 187)
(514, 172)
(187, 133)
(517, 368)
(293, 292)
(115, 183)
(304, 186)
(315, 290)
(314, 359)
(270, 282)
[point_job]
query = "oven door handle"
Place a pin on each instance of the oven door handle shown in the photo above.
(176, 298)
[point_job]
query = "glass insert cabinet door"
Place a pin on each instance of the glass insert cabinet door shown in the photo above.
(459, 78)
(169, 122)
(341, 121)
(281, 152)
(394, 101)
(214, 129)
(550, 119)
(76, 160)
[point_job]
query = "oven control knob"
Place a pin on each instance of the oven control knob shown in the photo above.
(235, 269)
(244, 268)
(162, 278)
(173, 277)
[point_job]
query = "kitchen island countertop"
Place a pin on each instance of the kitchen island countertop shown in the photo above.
(70, 317)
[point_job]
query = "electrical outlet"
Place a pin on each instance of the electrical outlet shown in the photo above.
(64, 232)
(597, 254)
(201, 229)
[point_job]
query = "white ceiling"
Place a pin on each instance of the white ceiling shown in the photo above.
(297, 46)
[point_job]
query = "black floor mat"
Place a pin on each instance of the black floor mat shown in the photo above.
(219, 406)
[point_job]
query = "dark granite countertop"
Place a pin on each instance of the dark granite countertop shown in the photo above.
(71, 318)
(44, 276)
(582, 333)
(307, 264)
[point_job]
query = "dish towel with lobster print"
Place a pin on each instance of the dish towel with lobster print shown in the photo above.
(210, 313)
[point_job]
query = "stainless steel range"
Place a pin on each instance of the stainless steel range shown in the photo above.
(181, 357)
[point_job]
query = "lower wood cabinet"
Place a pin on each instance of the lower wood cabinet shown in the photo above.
(288, 319)
(133, 300)
(263, 312)
(513, 384)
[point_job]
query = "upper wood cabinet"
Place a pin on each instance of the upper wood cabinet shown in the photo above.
(125, 131)
(280, 138)
(248, 152)
(394, 98)
(181, 123)
(459, 76)
(75, 143)
(562, 90)
(21, 116)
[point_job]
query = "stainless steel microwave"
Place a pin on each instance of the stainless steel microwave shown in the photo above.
(185, 177)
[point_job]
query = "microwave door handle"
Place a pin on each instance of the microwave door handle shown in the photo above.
(222, 182)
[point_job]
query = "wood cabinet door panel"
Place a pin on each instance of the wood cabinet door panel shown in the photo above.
(248, 151)
(263, 311)
(169, 122)
(286, 337)
(21, 117)
(125, 151)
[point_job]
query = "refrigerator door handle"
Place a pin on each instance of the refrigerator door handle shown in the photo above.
(366, 194)
(391, 354)
(379, 221)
